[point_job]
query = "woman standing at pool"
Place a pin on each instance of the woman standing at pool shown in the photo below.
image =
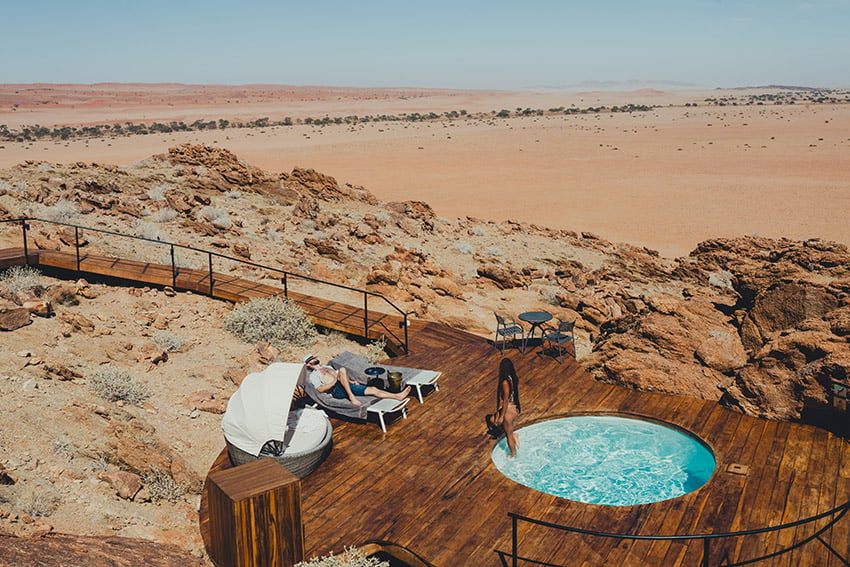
(507, 404)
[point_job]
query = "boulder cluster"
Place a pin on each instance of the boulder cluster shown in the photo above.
(770, 342)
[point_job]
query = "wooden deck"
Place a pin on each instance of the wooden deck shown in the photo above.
(324, 313)
(429, 484)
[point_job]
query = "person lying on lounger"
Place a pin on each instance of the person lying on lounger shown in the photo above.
(325, 378)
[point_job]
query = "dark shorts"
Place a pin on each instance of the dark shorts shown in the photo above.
(339, 392)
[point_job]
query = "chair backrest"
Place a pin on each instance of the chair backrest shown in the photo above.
(567, 326)
(500, 319)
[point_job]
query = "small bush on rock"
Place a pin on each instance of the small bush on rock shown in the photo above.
(375, 351)
(218, 217)
(39, 503)
(163, 215)
(351, 557)
(464, 247)
(169, 342)
(62, 211)
(113, 384)
(20, 278)
(276, 321)
(162, 486)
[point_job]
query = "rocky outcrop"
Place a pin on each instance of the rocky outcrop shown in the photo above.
(92, 551)
(769, 343)
(214, 168)
(13, 317)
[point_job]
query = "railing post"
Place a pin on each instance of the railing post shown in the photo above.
(173, 269)
(705, 551)
(366, 315)
(77, 245)
(514, 544)
(285, 283)
(406, 338)
(26, 248)
(209, 254)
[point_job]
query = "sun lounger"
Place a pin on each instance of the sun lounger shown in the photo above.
(388, 405)
(415, 377)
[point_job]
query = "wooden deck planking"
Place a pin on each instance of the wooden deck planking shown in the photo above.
(814, 496)
(11, 257)
(462, 479)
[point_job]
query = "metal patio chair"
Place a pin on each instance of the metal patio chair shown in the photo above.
(559, 336)
(507, 328)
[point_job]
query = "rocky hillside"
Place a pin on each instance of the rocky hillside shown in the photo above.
(760, 324)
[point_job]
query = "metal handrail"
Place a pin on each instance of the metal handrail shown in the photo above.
(838, 512)
(285, 275)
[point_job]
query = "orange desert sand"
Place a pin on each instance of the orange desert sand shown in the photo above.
(667, 178)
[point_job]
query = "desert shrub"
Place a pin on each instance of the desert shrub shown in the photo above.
(100, 464)
(494, 251)
(39, 503)
(113, 384)
(464, 247)
(478, 231)
(149, 230)
(157, 192)
(63, 449)
(216, 216)
(375, 350)
(233, 194)
(20, 278)
(351, 557)
(162, 486)
(163, 215)
(62, 211)
(169, 342)
(549, 295)
(276, 321)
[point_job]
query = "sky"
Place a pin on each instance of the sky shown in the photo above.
(462, 44)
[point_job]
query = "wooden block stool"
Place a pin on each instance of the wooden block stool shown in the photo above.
(255, 516)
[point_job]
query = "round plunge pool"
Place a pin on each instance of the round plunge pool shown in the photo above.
(607, 459)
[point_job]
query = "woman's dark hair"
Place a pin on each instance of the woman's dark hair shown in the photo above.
(508, 372)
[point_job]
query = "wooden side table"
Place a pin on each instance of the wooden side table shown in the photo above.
(255, 516)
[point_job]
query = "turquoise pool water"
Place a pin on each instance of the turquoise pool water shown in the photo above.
(603, 459)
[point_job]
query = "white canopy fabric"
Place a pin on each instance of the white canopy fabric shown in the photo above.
(258, 410)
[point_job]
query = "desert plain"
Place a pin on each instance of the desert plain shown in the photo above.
(695, 164)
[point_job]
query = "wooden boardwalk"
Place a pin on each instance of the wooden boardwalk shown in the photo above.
(324, 313)
(429, 484)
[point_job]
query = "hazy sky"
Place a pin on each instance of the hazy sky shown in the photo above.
(433, 43)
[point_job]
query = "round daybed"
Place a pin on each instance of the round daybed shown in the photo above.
(260, 415)
(310, 442)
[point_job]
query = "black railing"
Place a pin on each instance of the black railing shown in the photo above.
(285, 276)
(837, 513)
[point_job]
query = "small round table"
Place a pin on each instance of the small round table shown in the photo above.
(376, 372)
(536, 320)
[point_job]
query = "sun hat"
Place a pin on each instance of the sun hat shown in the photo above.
(309, 357)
